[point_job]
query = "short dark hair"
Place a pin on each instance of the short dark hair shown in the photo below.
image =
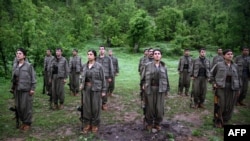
(244, 47)
(202, 49)
(145, 49)
(157, 50)
(186, 49)
(150, 49)
(75, 50)
(59, 49)
(226, 51)
(102, 46)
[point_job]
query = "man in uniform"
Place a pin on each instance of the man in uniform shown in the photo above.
(75, 66)
(142, 60)
(218, 57)
(184, 69)
(146, 60)
(107, 64)
(243, 62)
(59, 71)
(116, 71)
(200, 74)
(46, 65)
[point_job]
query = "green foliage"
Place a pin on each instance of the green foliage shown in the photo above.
(196, 132)
(40, 24)
(167, 22)
(116, 41)
(141, 29)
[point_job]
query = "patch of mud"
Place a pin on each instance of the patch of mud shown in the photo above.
(193, 118)
(15, 139)
(135, 131)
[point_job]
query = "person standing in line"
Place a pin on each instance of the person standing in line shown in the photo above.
(184, 68)
(200, 74)
(93, 85)
(218, 57)
(116, 72)
(243, 62)
(226, 83)
(46, 65)
(145, 61)
(15, 61)
(24, 83)
(107, 64)
(75, 66)
(156, 86)
(142, 61)
(59, 71)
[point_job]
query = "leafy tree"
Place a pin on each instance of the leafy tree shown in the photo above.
(141, 30)
(167, 22)
(110, 28)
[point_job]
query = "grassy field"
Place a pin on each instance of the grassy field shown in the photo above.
(53, 125)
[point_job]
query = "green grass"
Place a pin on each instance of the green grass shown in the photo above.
(47, 122)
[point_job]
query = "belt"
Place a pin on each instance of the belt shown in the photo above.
(228, 79)
(154, 84)
(88, 84)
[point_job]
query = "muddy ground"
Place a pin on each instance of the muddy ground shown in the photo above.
(129, 127)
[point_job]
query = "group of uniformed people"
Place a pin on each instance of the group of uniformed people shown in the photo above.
(97, 81)
(229, 79)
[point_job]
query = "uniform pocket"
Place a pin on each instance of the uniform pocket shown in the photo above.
(236, 85)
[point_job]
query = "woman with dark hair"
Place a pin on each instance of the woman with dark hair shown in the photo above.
(156, 85)
(93, 86)
(23, 80)
(226, 83)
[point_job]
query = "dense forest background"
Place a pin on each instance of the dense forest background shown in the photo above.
(131, 24)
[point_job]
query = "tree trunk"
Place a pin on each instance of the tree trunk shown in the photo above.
(3, 59)
(136, 47)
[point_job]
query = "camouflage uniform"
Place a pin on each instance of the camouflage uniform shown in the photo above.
(228, 85)
(46, 66)
(107, 65)
(59, 71)
(142, 61)
(116, 71)
(200, 72)
(185, 67)
(243, 63)
(23, 78)
(216, 59)
(93, 84)
(156, 85)
(75, 66)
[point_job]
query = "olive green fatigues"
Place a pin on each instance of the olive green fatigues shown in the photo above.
(75, 66)
(217, 59)
(107, 65)
(228, 85)
(156, 85)
(243, 63)
(116, 70)
(46, 66)
(24, 81)
(93, 84)
(59, 71)
(201, 73)
(184, 67)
